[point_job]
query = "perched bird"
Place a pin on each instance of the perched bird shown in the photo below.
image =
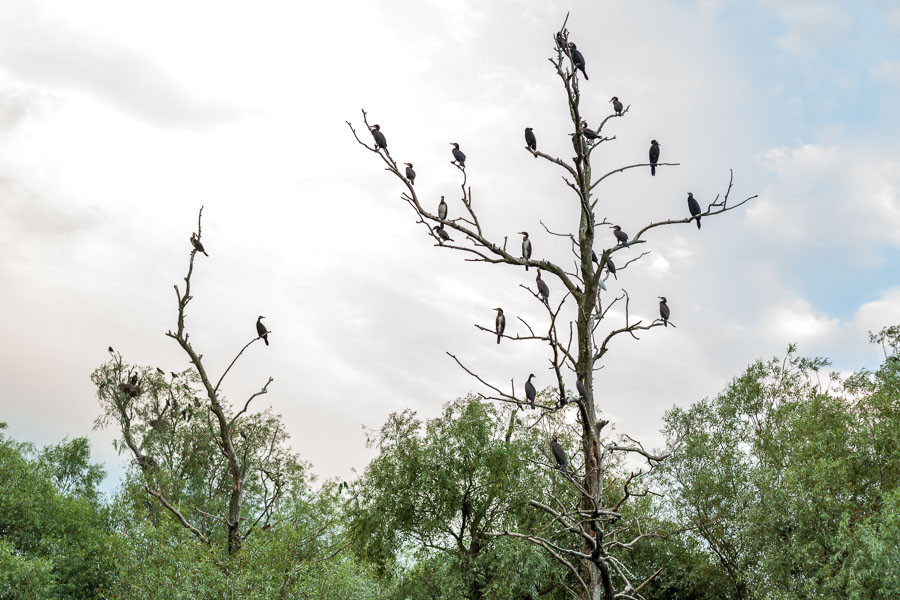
(261, 330)
(530, 391)
(500, 324)
(654, 156)
(582, 389)
(131, 387)
(442, 210)
(110, 349)
(594, 259)
(410, 174)
(621, 236)
(526, 247)
(694, 207)
(530, 140)
(617, 106)
(588, 133)
(611, 268)
(559, 454)
(543, 290)
(664, 310)
(458, 155)
(442, 234)
(380, 142)
(160, 371)
(195, 242)
(578, 59)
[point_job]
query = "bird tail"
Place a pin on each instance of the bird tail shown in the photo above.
(653, 170)
(498, 338)
(698, 222)
(666, 322)
(532, 405)
(266, 339)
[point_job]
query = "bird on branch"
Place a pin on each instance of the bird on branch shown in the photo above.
(664, 310)
(442, 210)
(530, 391)
(582, 389)
(195, 242)
(588, 133)
(654, 156)
(611, 268)
(500, 324)
(578, 59)
(543, 289)
(621, 236)
(261, 330)
(530, 140)
(442, 234)
(410, 174)
(458, 156)
(617, 106)
(526, 247)
(559, 454)
(694, 207)
(380, 141)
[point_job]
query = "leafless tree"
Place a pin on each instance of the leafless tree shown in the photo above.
(578, 344)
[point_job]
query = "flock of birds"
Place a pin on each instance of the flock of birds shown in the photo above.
(543, 290)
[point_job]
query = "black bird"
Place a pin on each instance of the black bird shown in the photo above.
(261, 330)
(543, 290)
(559, 454)
(654, 156)
(410, 174)
(594, 259)
(694, 207)
(582, 390)
(380, 142)
(530, 140)
(195, 242)
(458, 155)
(664, 310)
(530, 391)
(442, 210)
(588, 133)
(526, 247)
(578, 59)
(110, 349)
(500, 324)
(621, 236)
(442, 234)
(617, 106)
(577, 143)
(611, 267)
(160, 371)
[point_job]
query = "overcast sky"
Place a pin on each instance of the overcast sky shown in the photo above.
(118, 120)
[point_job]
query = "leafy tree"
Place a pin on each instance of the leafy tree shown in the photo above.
(792, 482)
(54, 536)
(439, 490)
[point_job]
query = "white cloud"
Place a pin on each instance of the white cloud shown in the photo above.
(811, 25)
(796, 321)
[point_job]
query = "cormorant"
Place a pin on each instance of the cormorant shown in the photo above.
(526, 247)
(611, 268)
(543, 290)
(578, 59)
(582, 390)
(559, 454)
(530, 391)
(530, 140)
(588, 133)
(410, 174)
(110, 349)
(617, 106)
(458, 155)
(442, 234)
(160, 371)
(195, 242)
(380, 142)
(442, 210)
(694, 207)
(500, 325)
(621, 236)
(594, 259)
(664, 310)
(654, 156)
(261, 330)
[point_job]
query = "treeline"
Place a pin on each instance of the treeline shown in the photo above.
(785, 485)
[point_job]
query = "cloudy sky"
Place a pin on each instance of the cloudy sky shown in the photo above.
(118, 120)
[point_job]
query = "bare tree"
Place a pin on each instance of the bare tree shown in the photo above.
(173, 434)
(578, 340)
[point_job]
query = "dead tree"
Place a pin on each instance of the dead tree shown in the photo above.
(578, 341)
(155, 414)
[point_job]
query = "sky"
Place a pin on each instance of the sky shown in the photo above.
(119, 120)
